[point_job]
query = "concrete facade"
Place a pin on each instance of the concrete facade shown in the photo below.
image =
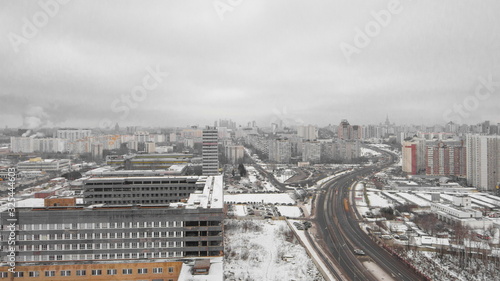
(210, 151)
(483, 161)
(140, 190)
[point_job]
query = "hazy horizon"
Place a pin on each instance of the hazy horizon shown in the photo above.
(173, 64)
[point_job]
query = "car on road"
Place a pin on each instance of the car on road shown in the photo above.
(359, 252)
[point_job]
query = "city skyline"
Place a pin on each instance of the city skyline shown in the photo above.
(174, 64)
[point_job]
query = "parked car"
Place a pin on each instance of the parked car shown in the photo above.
(403, 237)
(386, 237)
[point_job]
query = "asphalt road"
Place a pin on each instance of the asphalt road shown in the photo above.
(341, 233)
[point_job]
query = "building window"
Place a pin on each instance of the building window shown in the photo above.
(50, 273)
(34, 274)
(66, 273)
(18, 274)
(112, 271)
(4, 274)
(170, 270)
(127, 271)
(142, 270)
(96, 272)
(158, 270)
(82, 272)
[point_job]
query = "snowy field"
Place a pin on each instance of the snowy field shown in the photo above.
(275, 198)
(256, 250)
(290, 211)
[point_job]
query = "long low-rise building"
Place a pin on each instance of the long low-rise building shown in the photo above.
(174, 170)
(140, 190)
(47, 165)
(453, 214)
(157, 269)
(115, 233)
(148, 161)
(64, 231)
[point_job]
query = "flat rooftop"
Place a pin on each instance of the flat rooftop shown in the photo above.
(212, 195)
(216, 272)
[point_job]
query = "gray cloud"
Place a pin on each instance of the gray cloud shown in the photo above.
(264, 55)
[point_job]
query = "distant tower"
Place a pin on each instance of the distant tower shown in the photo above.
(387, 123)
(210, 151)
(117, 128)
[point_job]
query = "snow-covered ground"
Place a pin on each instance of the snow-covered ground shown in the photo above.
(448, 267)
(259, 250)
(275, 198)
(254, 181)
(240, 210)
(366, 152)
(290, 211)
(361, 204)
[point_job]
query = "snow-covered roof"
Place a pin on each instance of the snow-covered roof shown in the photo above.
(216, 272)
(212, 195)
(275, 198)
(431, 241)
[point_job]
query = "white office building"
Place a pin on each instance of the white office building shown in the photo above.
(210, 151)
(483, 161)
(73, 134)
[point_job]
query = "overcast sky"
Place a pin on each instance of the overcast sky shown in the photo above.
(256, 60)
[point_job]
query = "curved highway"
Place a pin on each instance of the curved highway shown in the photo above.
(341, 232)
